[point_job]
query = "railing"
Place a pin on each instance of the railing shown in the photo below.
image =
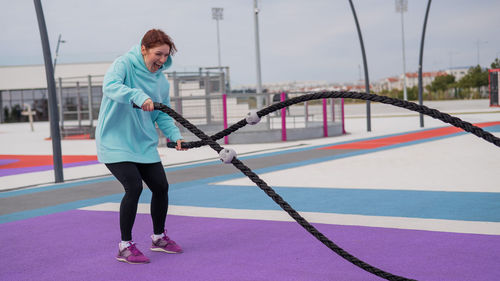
(200, 98)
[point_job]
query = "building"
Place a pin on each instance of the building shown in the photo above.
(458, 72)
(427, 78)
(33, 76)
(387, 84)
(397, 83)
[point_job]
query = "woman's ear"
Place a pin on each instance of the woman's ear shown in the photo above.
(143, 50)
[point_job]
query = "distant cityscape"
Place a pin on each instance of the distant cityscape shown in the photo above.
(389, 83)
(33, 77)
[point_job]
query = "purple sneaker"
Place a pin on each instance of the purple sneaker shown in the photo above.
(132, 255)
(165, 244)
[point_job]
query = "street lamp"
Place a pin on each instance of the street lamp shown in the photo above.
(402, 7)
(365, 66)
(217, 15)
(51, 94)
(59, 41)
(260, 99)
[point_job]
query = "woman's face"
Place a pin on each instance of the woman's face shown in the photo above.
(155, 57)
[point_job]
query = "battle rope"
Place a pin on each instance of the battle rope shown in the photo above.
(211, 141)
(457, 122)
(277, 198)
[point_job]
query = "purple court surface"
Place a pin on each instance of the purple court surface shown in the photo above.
(70, 246)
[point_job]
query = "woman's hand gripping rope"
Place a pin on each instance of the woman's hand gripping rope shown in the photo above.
(149, 105)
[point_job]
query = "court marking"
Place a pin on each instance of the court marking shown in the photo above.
(470, 227)
(31, 213)
(36, 163)
(486, 125)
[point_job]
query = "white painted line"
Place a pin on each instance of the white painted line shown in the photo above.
(473, 227)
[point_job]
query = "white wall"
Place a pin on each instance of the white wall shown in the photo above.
(33, 76)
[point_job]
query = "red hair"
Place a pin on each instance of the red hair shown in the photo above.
(156, 37)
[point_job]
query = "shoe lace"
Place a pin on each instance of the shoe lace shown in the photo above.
(167, 240)
(134, 250)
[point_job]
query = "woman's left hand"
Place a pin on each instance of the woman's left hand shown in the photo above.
(179, 145)
(148, 105)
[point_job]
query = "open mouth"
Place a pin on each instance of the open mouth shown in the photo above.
(156, 66)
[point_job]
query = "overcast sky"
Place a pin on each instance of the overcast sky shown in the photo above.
(299, 40)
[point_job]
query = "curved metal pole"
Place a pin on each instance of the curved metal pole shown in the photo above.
(420, 84)
(51, 88)
(365, 66)
(260, 99)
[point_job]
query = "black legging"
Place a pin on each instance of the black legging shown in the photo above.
(131, 175)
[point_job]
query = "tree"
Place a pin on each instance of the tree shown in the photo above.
(475, 78)
(441, 83)
(495, 64)
(412, 93)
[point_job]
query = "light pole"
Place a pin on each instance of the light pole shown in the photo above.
(402, 7)
(420, 62)
(59, 41)
(478, 42)
(365, 67)
(51, 94)
(260, 99)
(217, 15)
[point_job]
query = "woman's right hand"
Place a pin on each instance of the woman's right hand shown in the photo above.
(148, 105)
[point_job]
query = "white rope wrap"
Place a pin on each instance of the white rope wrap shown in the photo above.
(226, 155)
(252, 117)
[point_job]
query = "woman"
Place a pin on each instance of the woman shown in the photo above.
(127, 139)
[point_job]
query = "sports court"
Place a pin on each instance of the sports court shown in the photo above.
(423, 203)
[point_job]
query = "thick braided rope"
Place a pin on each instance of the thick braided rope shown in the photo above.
(278, 199)
(455, 121)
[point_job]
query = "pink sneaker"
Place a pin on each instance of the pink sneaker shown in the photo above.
(132, 255)
(165, 244)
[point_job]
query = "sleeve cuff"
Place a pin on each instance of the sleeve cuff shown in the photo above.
(140, 98)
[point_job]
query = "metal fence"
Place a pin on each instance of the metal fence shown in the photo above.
(201, 97)
(306, 120)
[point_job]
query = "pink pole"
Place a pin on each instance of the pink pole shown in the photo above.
(224, 117)
(283, 118)
(325, 121)
(343, 121)
(333, 110)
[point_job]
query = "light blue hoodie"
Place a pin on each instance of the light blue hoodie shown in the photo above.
(124, 133)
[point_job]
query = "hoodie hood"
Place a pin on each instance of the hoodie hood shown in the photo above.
(135, 56)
